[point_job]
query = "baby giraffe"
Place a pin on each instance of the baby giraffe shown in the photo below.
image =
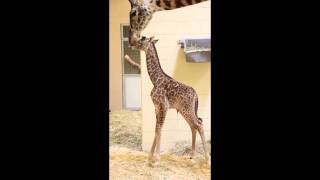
(168, 93)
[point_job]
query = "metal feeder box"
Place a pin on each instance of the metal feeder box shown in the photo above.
(197, 50)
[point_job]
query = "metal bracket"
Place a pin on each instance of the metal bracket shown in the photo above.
(181, 42)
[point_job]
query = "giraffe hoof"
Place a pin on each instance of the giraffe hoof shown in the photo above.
(153, 163)
(156, 164)
(150, 164)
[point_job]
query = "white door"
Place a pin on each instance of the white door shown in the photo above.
(132, 91)
(130, 76)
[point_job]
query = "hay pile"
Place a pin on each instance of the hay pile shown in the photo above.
(125, 129)
(128, 162)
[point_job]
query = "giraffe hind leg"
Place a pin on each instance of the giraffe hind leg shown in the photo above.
(193, 148)
(189, 117)
(204, 143)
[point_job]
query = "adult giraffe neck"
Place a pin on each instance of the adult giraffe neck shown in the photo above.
(175, 4)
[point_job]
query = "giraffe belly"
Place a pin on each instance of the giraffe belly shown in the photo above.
(171, 104)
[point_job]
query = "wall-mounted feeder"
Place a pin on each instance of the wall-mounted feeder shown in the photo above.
(197, 50)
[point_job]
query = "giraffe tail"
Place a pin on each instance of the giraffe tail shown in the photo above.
(199, 120)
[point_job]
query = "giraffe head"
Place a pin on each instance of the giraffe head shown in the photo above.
(145, 43)
(140, 15)
(142, 10)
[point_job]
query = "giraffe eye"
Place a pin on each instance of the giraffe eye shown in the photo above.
(133, 13)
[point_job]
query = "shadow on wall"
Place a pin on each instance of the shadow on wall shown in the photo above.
(196, 75)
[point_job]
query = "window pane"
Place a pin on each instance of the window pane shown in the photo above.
(134, 55)
(125, 32)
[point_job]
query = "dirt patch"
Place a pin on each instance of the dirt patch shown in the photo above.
(128, 162)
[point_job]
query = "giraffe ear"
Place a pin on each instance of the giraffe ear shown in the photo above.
(132, 2)
(155, 41)
(151, 38)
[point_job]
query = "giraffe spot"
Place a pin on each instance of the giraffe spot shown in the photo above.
(178, 3)
(158, 3)
(167, 3)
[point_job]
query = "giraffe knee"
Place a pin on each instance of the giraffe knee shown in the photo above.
(200, 128)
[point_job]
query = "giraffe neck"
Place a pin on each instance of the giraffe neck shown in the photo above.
(155, 71)
(174, 4)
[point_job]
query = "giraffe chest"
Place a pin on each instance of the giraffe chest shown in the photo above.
(159, 97)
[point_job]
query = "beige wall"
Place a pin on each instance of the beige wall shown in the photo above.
(169, 27)
(118, 14)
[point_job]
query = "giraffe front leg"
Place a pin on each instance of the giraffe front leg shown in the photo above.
(151, 153)
(161, 114)
(157, 155)
(156, 143)
(150, 158)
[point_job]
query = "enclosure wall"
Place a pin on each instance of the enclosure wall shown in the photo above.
(118, 14)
